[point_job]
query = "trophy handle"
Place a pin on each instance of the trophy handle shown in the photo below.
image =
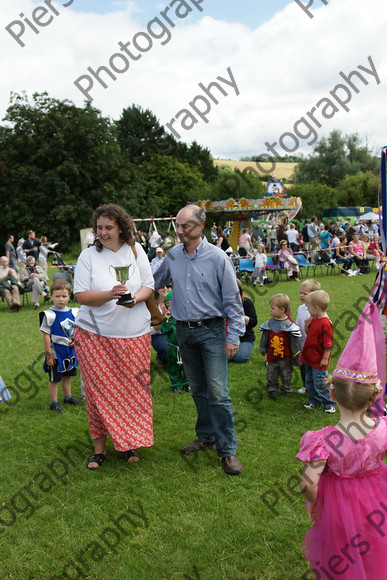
(114, 274)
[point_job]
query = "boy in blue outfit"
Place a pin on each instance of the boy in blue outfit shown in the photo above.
(179, 381)
(57, 325)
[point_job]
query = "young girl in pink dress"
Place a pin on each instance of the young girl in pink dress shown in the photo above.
(344, 480)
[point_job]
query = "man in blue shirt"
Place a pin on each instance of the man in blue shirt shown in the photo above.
(205, 293)
(31, 245)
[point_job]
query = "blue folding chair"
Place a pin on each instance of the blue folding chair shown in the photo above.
(271, 267)
(304, 264)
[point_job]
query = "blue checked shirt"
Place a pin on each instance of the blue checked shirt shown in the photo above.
(204, 286)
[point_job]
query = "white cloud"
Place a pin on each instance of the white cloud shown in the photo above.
(282, 69)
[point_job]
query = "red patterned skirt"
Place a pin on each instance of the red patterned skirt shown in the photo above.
(116, 375)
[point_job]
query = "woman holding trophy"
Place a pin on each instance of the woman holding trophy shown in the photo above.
(112, 336)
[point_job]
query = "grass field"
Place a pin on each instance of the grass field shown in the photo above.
(166, 517)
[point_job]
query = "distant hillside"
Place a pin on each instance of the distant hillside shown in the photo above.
(282, 170)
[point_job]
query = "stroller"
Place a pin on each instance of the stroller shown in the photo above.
(66, 272)
(245, 270)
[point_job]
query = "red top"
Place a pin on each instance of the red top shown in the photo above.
(320, 336)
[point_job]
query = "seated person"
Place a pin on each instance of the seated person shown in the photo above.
(9, 281)
(33, 277)
(357, 252)
(159, 340)
(285, 255)
(247, 341)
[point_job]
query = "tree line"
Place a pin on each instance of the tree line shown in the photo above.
(58, 162)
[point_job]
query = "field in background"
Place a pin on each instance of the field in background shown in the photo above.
(282, 170)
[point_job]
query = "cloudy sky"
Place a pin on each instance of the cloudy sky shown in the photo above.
(276, 64)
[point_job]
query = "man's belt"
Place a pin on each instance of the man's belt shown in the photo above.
(197, 323)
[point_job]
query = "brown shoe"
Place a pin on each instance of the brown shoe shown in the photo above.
(197, 446)
(231, 465)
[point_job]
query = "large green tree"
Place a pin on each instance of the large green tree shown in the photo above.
(171, 184)
(57, 163)
(316, 197)
(141, 136)
(358, 190)
(334, 158)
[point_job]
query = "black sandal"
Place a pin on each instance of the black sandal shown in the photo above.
(97, 458)
(131, 453)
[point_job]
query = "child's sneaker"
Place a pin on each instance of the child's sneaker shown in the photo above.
(309, 406)
(56, 407)
(330, 410)
(73, 401)
(302, 391)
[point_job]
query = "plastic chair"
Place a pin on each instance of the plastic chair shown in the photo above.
(304, 264)
(271, 267)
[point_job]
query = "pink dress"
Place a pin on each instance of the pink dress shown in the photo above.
(349, 540)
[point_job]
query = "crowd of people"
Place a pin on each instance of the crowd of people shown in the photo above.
(205, 323)
(340, 242)
(24, 268)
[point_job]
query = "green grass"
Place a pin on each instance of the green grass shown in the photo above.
(184, 517)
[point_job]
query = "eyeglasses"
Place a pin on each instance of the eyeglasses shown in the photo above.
(189, 225)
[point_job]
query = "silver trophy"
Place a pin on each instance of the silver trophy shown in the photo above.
(122, 274)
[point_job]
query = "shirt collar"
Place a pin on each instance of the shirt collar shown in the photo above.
(199, 249)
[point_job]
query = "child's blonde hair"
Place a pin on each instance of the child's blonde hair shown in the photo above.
(318, 298)
(61, 284)
(310, 285)
(353, 396)
(282, 301)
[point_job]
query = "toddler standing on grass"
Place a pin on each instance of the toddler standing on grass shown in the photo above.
(57, 325)
(317, 351)
(260, 262)
(302, 315)
(281, 343)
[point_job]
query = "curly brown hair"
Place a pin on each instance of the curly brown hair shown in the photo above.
(122, 219)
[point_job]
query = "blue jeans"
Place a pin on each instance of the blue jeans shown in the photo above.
(318, 392)
(159, 343)
(205, 364)
(347, 262)
(243, 353)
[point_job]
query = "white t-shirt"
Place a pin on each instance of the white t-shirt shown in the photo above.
(260, 260)
(302, 315)
(292, 235)
(93, 272)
